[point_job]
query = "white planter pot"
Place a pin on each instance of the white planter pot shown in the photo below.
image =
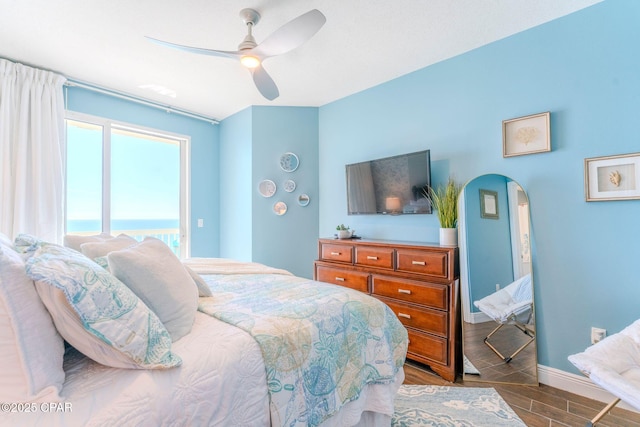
(345, 234)
(449, 236)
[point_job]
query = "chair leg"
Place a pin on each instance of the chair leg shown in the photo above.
(524, 329)
(602, 413)
(495, 350)
(531, 339)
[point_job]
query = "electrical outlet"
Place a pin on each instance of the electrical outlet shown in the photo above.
(597, 335)
(497, 287)
(200, 222)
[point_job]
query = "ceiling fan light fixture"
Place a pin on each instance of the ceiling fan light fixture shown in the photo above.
(250, 61)
(286, 38)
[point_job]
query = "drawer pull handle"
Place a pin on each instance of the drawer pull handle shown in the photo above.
(418, 263)
(372, 257)
(340, 279)
(335, 253)
(404, 291)
(406, 316)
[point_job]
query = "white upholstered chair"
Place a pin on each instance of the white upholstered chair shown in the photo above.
(614, 365)
(511, 305)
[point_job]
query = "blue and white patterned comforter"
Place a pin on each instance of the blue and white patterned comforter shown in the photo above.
(322, 344)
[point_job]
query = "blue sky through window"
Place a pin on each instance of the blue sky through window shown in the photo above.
(145, 178)
(84, 172)
(144, 175)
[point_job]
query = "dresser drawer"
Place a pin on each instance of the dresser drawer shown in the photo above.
(374, 257)
(428, 294)
(342, 253)
(423, 262)
(427, 346)
(417, 282)
(432, 321)
(350, 279)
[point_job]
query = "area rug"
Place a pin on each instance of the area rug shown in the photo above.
(426, 405)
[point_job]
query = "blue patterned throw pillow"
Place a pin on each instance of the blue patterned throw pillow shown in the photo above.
(26, 244)
(103, 262)
(97, 313)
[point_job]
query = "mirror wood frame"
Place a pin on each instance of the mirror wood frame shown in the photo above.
(522, 369)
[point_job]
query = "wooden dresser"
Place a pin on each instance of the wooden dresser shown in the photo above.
(419, 282)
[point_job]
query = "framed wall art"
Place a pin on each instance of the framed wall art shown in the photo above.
(526, 135)
(280, 208)
(489, 204)
(267, 188)
(612, 177)
(289, 162)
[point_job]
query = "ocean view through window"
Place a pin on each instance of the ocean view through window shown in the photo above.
(125, 179)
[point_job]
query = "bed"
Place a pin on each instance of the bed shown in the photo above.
(263, 347)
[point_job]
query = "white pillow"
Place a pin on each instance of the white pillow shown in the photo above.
(98, 314)
(154, 273)
(94, 250)
(31, 350)
(203, 288)
(74, 241)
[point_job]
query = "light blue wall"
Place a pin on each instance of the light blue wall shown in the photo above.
(585, 69)
(204, 156)
(236, 186)
(252, 143)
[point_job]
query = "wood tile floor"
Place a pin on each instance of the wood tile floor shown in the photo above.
(542, 406)
(522, 369)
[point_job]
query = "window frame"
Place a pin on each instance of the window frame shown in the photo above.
(185, 170)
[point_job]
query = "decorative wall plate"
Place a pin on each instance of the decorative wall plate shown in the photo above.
(289, 162)
(267, 188)
(280, 208)
(303, 200)
(289, 185)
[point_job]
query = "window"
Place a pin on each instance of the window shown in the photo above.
(126, 179)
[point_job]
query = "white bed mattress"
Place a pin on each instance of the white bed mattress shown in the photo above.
(221, 382)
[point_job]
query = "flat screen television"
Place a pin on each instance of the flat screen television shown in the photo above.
(391, 185)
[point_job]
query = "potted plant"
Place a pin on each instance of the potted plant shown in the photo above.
(344, 232)
(444, 200)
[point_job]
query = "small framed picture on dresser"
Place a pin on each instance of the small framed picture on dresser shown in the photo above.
(612, 177)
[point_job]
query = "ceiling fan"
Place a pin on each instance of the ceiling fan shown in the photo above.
(251, 54)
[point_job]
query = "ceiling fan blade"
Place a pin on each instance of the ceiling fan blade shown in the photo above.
(291, 35)
(199, 50)
(265, 83)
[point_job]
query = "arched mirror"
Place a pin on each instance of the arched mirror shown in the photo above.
(496, 284)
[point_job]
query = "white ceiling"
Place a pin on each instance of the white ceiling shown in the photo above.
(362, 44)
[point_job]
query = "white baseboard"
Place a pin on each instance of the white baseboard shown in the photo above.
(479, 317)
(576, 384)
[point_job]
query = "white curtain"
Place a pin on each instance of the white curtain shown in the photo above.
(32, 152)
